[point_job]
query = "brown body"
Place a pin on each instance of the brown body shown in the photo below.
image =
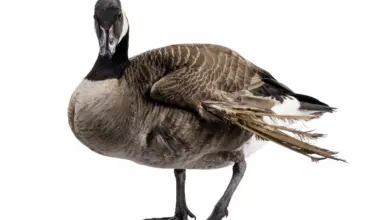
(152, 114)
(117, 117)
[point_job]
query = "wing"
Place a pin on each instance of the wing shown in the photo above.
(207, 72)
(219, 84)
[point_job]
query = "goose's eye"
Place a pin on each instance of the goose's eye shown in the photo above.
(119, 15)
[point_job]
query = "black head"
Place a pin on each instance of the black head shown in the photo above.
(111, 26)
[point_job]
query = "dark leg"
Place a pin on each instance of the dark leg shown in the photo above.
(220, 209)
(181, 211)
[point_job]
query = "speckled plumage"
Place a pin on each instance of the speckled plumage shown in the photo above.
(117, 117)
(149, 114)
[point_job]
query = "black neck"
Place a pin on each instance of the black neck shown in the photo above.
(105, 68)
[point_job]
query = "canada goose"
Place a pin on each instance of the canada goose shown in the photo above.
(187, 106)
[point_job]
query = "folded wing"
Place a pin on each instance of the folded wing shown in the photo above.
(218, 83)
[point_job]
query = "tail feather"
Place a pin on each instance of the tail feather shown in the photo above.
(251, 118)
(316, 108)
(308, 103)
(308, 99)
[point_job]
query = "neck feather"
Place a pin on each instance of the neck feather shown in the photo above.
(105, 68)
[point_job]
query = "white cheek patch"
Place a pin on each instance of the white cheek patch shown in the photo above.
(125, 26)
(112, 40)
(102, 40)
(103, 37)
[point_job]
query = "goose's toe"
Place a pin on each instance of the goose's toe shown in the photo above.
(179, 216)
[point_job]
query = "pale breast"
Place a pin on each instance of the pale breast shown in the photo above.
(103, 115)
(91, 93)
(100, 119)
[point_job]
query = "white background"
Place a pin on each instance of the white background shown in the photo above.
(337, 51)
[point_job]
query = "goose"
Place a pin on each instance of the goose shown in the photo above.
(185, 106)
